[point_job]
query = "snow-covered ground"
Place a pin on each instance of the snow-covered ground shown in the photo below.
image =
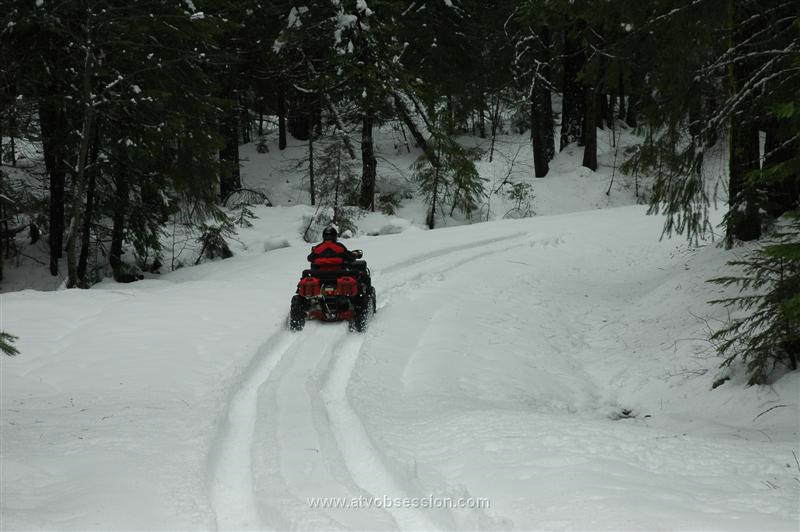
(555, 366)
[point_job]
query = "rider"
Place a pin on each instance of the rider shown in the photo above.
(331, 254)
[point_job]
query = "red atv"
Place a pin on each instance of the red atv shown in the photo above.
(335, 295)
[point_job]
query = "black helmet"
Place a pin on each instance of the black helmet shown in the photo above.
(330, 233)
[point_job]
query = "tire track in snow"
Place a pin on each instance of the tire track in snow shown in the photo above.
(367, 467)
(363, 460)
(232, 490)
(343, 447)
(425, 272)
(296, 455)
(449, 250)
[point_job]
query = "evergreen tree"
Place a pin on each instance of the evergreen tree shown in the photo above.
(451, 178)
(126, 113)
(766, 333)
(7, 344)
(689, 67)
(338, 184)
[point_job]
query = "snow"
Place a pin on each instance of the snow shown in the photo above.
(344, 21)
(498, 366)
(361, 5)
(295, 14)
(555, 365)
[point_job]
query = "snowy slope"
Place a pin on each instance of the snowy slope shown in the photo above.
(498, 366)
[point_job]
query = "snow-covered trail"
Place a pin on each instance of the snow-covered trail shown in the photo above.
(290, 425)
(512, 387)
(501, 364)
(495, 369)
(232, 463)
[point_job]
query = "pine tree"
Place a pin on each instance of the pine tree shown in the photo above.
(338, 185)
(532, 67)
(451, 178)
(684, 74)
(766, 334)
(127, 118)
(7, 344)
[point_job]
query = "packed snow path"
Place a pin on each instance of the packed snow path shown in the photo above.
(442, 408)
(311, 442)
(553, 366)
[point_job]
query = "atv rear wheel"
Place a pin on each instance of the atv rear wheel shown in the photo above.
(297, 314)
(364, 310)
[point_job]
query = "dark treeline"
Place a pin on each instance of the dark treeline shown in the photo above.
(141, 107)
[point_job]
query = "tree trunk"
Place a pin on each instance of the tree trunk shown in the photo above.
(369, 164)
(121, 202)
(402, 110)
(300, 119)
(744, 157)
(79, 186)
(312, 186)
(88, 216)
(782, 195)
(53, 122)
(621, 97)
(12, 133)
(590, 131)
(495, 123)
(574, 102)
(432, 214)
(547, 129)
(542, 133)
(229, 178)
(711, 108)
(338, 182)
(420, 112)
(696, 122)
(482, 116)
(79, 181)
(450, 114)
(632, 110)
(281, 118)
(244, 123)
(541, 165)
(744, 220)
(3, 216)
(405, 137)
(601, 109)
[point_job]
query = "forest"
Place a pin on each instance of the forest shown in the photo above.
(140, 109)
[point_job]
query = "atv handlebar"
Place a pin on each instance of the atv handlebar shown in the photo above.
(358, 253)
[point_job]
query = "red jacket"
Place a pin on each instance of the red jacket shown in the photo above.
(329, 255)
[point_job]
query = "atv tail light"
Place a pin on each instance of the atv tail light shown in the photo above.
(346, 286)
(328, 290)
(308, 287)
